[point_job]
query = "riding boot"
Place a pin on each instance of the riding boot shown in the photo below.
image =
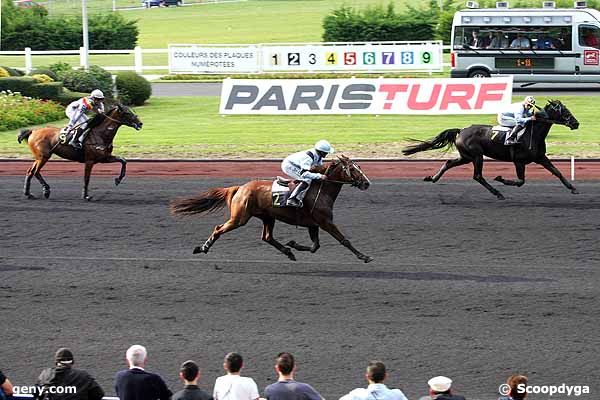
(83, 136)
(295, 199)
(75, 139)
(511, 137)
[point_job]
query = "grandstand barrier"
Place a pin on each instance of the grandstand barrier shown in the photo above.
(27, 56)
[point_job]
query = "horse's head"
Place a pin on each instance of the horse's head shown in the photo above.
(558, 113)
(343, 169)
(125, 116)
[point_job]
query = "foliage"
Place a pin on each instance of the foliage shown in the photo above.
(82, 81)
(132, 88)
(4, 73)
(42, 78)
(60, 69)
(47, 90)
(17, 84)
(45, 71)
(67, 96)
(17, 111)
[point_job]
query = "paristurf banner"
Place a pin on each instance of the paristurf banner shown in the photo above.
(366, 96)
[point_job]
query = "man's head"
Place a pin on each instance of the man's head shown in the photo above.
(323, 148)
(233, 363)
(376, 372)
(136, 356)
(189, 372)
(64, 357)
(513, 382)
(475, 33)
(529, 102)
(439, 385)
(284, 364)
(97, 95)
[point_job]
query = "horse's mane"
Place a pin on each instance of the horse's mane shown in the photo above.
(99, 118)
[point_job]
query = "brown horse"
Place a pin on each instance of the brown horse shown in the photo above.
(254, 200)
(97, 148)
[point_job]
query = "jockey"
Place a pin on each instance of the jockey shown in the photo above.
(298, 166)
(76, 112)
(516, 117)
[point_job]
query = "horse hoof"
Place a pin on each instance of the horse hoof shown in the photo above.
(87, 198)
(428, 179)
(367, 259)
(574, 191)
(30, 197)
(498, 178)
(197, 250)
(117, 181)
(46, 194)
(500, 197)
(291, 256)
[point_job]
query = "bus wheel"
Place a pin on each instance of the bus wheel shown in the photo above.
(479, 73)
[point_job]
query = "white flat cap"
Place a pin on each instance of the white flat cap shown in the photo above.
(439, 383)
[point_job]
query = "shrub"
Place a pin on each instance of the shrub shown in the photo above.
(45, 71)
(4, 73)
(82, 81)
(17, 84)
(47, 91)
(13, 71)
(67, 97)
(60, 69)
(42, 78)
(17, 111)
(132, 88)
(104, 78)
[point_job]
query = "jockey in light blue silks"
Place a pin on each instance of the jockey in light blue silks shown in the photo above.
(516, 117)
(76, 112)
(298, 166)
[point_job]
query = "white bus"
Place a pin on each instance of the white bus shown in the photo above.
(535, 45)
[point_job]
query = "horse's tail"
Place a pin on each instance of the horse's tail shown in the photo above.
(211, 200)
(446, 138)
(23, 135)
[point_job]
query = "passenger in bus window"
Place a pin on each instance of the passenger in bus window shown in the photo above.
(520, 42)
(590, 38)
(499, 41)
(475, 41)
(563, 40)
(487, 40)
(544, 42)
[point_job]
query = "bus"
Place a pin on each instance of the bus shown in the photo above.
(535, 45)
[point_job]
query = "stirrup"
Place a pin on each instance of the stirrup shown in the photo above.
(77, 144)
(293, 202)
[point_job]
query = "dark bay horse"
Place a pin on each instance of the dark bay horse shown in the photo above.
(98, 146)
(477, 141)
(254, 200)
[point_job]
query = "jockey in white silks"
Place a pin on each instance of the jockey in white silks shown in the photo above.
(298, 166)
(76, 111)
(516, 117)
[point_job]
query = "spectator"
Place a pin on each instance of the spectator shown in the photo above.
(6, 388)
(376, 390)
(233, 386)
(286, 388)
(64, 375)
(439, 389)
(520, 42)
(499, 41)
(138, 384)
(590, 39)
(487, 40)
(189, 374)
(475, 41)
(513, 383)
(563, 40)
(544, 42)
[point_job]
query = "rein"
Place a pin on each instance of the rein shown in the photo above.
(330, 181)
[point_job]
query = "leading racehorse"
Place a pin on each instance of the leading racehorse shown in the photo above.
(98, 146)
(477, 141)
(254, 200)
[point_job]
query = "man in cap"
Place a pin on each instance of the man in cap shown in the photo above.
(63, 382)
(298, 166)
(375, 375)
(439, 389)
(77, 119)
(136, 383)
(516, 117)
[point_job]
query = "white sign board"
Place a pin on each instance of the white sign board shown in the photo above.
(426, 56)
(366, 96)
(196, 59)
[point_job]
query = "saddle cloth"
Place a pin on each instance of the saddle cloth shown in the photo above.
(499, 133)
(281, 190)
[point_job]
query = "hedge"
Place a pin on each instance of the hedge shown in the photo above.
(133, 89)
(29, 87)
(82, 81)
(47, 91)
(13, 71)
(67, 97)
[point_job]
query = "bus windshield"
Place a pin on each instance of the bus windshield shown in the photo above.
(513, 37)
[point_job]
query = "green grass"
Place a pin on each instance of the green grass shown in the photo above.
(190, 127)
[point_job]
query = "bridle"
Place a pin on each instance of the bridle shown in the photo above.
(347, 172)
(120, 122)
(558, 108)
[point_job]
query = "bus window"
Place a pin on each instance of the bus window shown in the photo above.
(517, 38)
(589, 36)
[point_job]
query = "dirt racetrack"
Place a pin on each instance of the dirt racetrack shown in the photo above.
(462, 285)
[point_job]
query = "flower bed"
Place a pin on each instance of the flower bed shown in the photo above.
(17, 111)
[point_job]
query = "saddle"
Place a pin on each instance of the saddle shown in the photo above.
(499, 133)
(281, 190)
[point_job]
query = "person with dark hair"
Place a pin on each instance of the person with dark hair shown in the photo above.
(65, 377)
(6, 387)
(517, 385)
(136, 383)
(439, 389)
(375, 375)
(286, 388)
(233, 386)
(190, 374)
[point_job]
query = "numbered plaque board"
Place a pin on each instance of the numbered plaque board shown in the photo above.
(425, 56)
(194, 59)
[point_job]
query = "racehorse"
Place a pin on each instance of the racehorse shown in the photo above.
(254, 200)
(477, 141)
(44, 142)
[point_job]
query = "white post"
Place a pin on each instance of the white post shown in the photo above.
(572, 168)
(86, 39)
(138, 60)
(28, 61)
(114, 5)
(82, 60)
